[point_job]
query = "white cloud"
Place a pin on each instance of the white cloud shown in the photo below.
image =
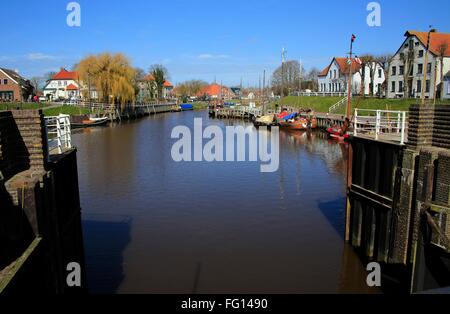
(37, 56)
(208, 56)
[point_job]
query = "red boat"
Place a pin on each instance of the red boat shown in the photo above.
(340, 132)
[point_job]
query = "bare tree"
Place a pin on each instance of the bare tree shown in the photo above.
(286, 78)
(385, 62)
(37, 82)
(408, 63)
(442, 49)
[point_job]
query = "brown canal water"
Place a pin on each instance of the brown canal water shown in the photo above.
(152, 225)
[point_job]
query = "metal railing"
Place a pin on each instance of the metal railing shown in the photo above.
(321, 94)
(59, 134)
(382, 124)
(337, 105)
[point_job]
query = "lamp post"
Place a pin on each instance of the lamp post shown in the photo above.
(432, 30)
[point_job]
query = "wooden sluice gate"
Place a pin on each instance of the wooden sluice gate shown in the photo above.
(398, 204)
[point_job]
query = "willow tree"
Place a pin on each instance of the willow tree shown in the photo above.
(112, 75)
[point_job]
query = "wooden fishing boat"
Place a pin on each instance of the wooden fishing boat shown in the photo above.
(267, 120)
(89, 122)
(338, 132)
(298, 124)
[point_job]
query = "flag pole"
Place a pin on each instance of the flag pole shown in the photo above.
(349, 92)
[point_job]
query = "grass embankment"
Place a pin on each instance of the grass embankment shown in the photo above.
(70, 110)
(200, 105)
(322, 104)
(22, 106)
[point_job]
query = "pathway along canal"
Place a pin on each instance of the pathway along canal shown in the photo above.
(152, 225)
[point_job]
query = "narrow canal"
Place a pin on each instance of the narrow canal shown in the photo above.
(152, 225)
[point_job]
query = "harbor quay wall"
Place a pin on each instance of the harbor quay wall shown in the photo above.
(398, 211)
(40, 214)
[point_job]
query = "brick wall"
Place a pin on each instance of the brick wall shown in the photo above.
(429, 126)
(23, 143)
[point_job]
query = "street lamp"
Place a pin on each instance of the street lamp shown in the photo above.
(432, 30)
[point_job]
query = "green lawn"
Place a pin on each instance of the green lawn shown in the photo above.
(322, 104)
(70, 110)
(200, 105)
(12, 106)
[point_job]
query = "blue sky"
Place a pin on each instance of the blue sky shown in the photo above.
(200, 39)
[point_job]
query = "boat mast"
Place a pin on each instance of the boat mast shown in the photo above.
(349, 91)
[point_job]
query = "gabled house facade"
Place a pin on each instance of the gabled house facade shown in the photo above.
(63, 85)
(334, 78)
(13, 87)
(407, 68)
(148, 89)
(66, 85)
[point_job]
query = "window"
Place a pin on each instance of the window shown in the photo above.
(448, 88)
(419, 86)
(59, 83)
(65, 83)
(393, 87)
(420, 68)
(429, 68)
(335, 74)
(380, 74)
(427, 90)
(5, 81)
(420, 53)
(394, 70)
(401, 70)
(400, 87)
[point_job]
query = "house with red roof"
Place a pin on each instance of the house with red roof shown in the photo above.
(334, 78)
(148, 89)
(216, 91)
(410, 74)
(63, 85)
(66, 85)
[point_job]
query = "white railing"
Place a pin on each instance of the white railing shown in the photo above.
(382, 124)
(321, 94)
(59, 134)
(337, 105)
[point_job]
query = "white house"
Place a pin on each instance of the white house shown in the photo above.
(334, 78)
(67, 85)
(407, 68)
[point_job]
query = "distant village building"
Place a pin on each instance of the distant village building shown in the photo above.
(66, 85)
(216, 91)
(407, 67)
(148, 89)
(14, 87)
(334, 78)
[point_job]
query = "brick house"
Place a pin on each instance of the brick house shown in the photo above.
(14, 87)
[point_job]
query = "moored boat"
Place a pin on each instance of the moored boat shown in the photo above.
(268, 120)
(186, 107)
(85, 121)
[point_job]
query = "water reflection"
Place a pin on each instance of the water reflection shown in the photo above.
(212, 227)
